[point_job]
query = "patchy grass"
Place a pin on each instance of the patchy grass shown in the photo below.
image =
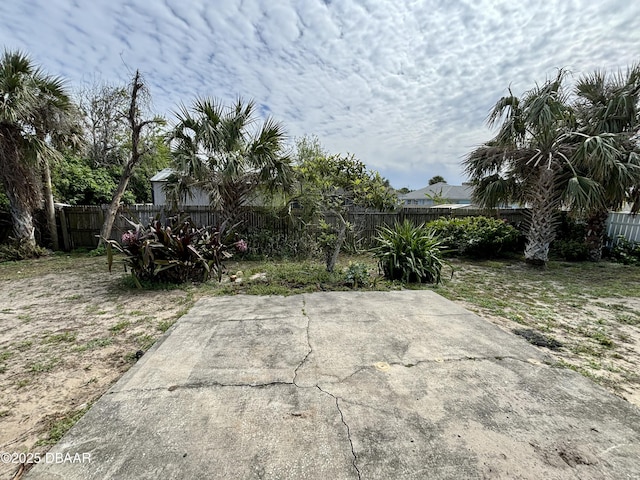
(165, 325)
(61, 425)
(119, 327)
(586, 313)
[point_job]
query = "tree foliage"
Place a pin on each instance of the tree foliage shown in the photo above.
(333, 184)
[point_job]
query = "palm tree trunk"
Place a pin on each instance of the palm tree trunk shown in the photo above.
(596, 228)
(543, 215)
(20, 186)
(22, 218)
(49, 206)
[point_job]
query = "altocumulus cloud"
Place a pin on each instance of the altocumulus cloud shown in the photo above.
(406, 86)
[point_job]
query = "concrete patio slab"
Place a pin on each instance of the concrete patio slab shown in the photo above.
(348, 385)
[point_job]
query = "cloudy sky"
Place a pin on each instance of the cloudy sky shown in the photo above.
(404, 85)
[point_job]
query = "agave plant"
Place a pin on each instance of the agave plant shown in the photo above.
(409, 253)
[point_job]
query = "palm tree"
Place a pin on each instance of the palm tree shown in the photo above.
(608, 105)
(529, 162)
(29, 100)
(223, 151)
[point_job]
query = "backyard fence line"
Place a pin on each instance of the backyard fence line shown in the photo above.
(79, 226)
(623, 224)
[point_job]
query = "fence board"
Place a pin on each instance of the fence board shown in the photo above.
(623, 224)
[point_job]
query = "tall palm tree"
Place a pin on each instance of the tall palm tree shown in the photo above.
(608, 105)
(28, 98)
(223, 151)
(529, 161)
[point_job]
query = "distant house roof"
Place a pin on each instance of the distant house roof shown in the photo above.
(442, 190)
(162, 175)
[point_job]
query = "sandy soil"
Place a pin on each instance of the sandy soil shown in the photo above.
(66, 338)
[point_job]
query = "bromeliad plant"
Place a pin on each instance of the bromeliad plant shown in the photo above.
(176, 252)
(409, 253)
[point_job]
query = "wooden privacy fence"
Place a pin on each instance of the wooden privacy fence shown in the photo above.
(80, 225)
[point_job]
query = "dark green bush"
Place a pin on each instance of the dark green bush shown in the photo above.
(409, 253)
(570, 243)
(626, 252)
(275, 244)
(571, 250)
(176, 252)
(479, 237)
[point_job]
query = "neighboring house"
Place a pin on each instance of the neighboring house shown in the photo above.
(445, 193)
(159, 180)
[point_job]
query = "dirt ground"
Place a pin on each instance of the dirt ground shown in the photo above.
(66, 338)
(70, 330)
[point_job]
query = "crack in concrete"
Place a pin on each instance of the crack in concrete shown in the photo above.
(432, 361)
(196, 385)
(295, 372)
(353, 452)
(463, 359)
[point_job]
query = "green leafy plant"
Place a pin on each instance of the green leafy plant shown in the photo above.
(176, 252)
(356, 274)
(409, 253)
(570, 242)
(15, 251)
(479, 237)
(625, 251)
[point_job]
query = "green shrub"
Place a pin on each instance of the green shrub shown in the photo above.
(356, 274)
(176, 252)
(570, 243)
(625, 251)
(15, 251)
(571, 250)
(479, 237)
(409, 253)
(276, 244)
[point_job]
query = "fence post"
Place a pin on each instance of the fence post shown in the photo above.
(64, 226)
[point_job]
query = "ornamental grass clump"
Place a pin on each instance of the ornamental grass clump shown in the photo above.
(409, 253)
(175, 252)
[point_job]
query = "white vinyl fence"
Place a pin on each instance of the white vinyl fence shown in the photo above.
(625, 224)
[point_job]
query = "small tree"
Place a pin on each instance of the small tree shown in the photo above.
(437, 179)
(138, 150)
(335, 183)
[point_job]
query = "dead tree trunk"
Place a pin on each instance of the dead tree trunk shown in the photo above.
(136, 125)
(332, 259)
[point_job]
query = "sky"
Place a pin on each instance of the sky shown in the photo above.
(405, 86)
